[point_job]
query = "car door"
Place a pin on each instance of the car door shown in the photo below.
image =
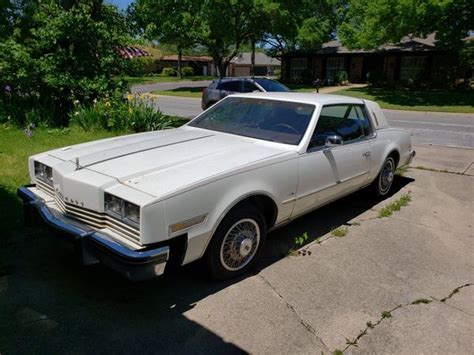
(329, 169)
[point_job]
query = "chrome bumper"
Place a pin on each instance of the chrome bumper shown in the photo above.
(93, 246)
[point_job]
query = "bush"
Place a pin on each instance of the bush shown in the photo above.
(277, 73)
(117, 114)
(376, 78)
(342, 77)
(187, 71)
(52, 55)
(168, 72)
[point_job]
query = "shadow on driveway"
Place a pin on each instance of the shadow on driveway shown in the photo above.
(50, 304)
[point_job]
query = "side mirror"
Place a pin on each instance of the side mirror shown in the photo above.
(334, 141)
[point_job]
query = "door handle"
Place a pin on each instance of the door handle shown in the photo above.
(366, 154)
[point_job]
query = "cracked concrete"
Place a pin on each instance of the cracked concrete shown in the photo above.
(387, 315)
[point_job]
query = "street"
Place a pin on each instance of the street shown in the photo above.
(427, 128)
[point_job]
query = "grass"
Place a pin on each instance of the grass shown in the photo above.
(389, 209)
(153, 79)
(15, 148)
(413, 100)
(339, 231)
(183, 92)
(301, 88)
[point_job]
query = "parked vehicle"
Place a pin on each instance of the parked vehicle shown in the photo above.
(221, 88)
(214, 187)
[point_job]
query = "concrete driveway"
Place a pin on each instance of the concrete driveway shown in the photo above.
(399, 284)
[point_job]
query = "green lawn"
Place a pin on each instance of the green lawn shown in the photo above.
(411, 100)
(184, 92)
(301, 88)
(135, 80)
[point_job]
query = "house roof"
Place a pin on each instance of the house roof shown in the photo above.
(130, 52)
(407, 44)
(245, 58)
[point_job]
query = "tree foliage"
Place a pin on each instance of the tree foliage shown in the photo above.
(224, 26)
(54, 53)
(369, 23)
(170, 22)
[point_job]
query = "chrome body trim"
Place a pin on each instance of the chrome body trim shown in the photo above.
(94, 246)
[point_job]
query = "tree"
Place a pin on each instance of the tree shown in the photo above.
(369, 23)
(169, 22)
(55, 55)
(299, 24)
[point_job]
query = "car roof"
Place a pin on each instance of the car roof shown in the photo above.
(308, 98)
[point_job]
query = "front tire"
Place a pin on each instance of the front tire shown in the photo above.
(236, 244)
(384, 181)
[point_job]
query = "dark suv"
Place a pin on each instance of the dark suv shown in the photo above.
(226, 86)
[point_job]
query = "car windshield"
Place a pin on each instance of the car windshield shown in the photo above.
(271, 85)
(270, 120)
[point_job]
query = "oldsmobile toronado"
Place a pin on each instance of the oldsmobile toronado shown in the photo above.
(216, 186)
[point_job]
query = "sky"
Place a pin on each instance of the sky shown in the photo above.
(121, 4)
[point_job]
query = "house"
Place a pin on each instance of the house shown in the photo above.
(264, 65)
(202, 65)
(413, 59)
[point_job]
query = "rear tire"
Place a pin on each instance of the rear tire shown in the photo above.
(382, 184)
(236, 244)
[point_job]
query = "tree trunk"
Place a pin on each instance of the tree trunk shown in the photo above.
(221, 66)
(180, 58)
(252, 58)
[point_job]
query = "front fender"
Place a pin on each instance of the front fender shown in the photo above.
(277, 181)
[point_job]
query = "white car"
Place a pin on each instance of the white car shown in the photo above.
(214, 187)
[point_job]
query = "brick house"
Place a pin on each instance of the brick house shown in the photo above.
(415, 59)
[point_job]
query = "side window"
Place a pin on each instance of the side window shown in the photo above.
(249, 87)
(234, 85)
(348, 121)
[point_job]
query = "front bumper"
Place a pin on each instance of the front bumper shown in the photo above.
(93, 246)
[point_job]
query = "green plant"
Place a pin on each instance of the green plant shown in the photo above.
(340, 231)
(342, 77)
(337, 352)
(136, 114)
(169, 72)
(389, 209)
(187, 71)
(386, 314)
(56, 52)
(299, 241)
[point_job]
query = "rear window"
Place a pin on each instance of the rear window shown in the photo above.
(271, 85)
(234, 85)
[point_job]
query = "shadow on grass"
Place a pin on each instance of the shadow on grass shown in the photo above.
(54, 305)
(184, 89)
(417, 97)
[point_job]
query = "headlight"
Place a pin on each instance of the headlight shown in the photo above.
(127, 212)
(44, 173)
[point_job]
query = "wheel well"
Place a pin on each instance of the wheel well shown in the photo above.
(396, 156)
(264, 204)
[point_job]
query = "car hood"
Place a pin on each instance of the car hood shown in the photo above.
(163, 162)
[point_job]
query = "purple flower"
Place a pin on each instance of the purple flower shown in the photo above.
(8, 88)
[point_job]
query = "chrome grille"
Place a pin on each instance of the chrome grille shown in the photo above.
(92, 218)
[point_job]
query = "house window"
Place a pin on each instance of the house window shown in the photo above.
(298, 67)
(333, 66)
(412, 68)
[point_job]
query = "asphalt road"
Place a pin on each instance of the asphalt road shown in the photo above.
(427, 128)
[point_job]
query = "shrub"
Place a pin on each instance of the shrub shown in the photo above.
(168, 72)
(376, 77)
(342, 77)
(187, 71)
(277, 73)
(135, 113)
(54, 54)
